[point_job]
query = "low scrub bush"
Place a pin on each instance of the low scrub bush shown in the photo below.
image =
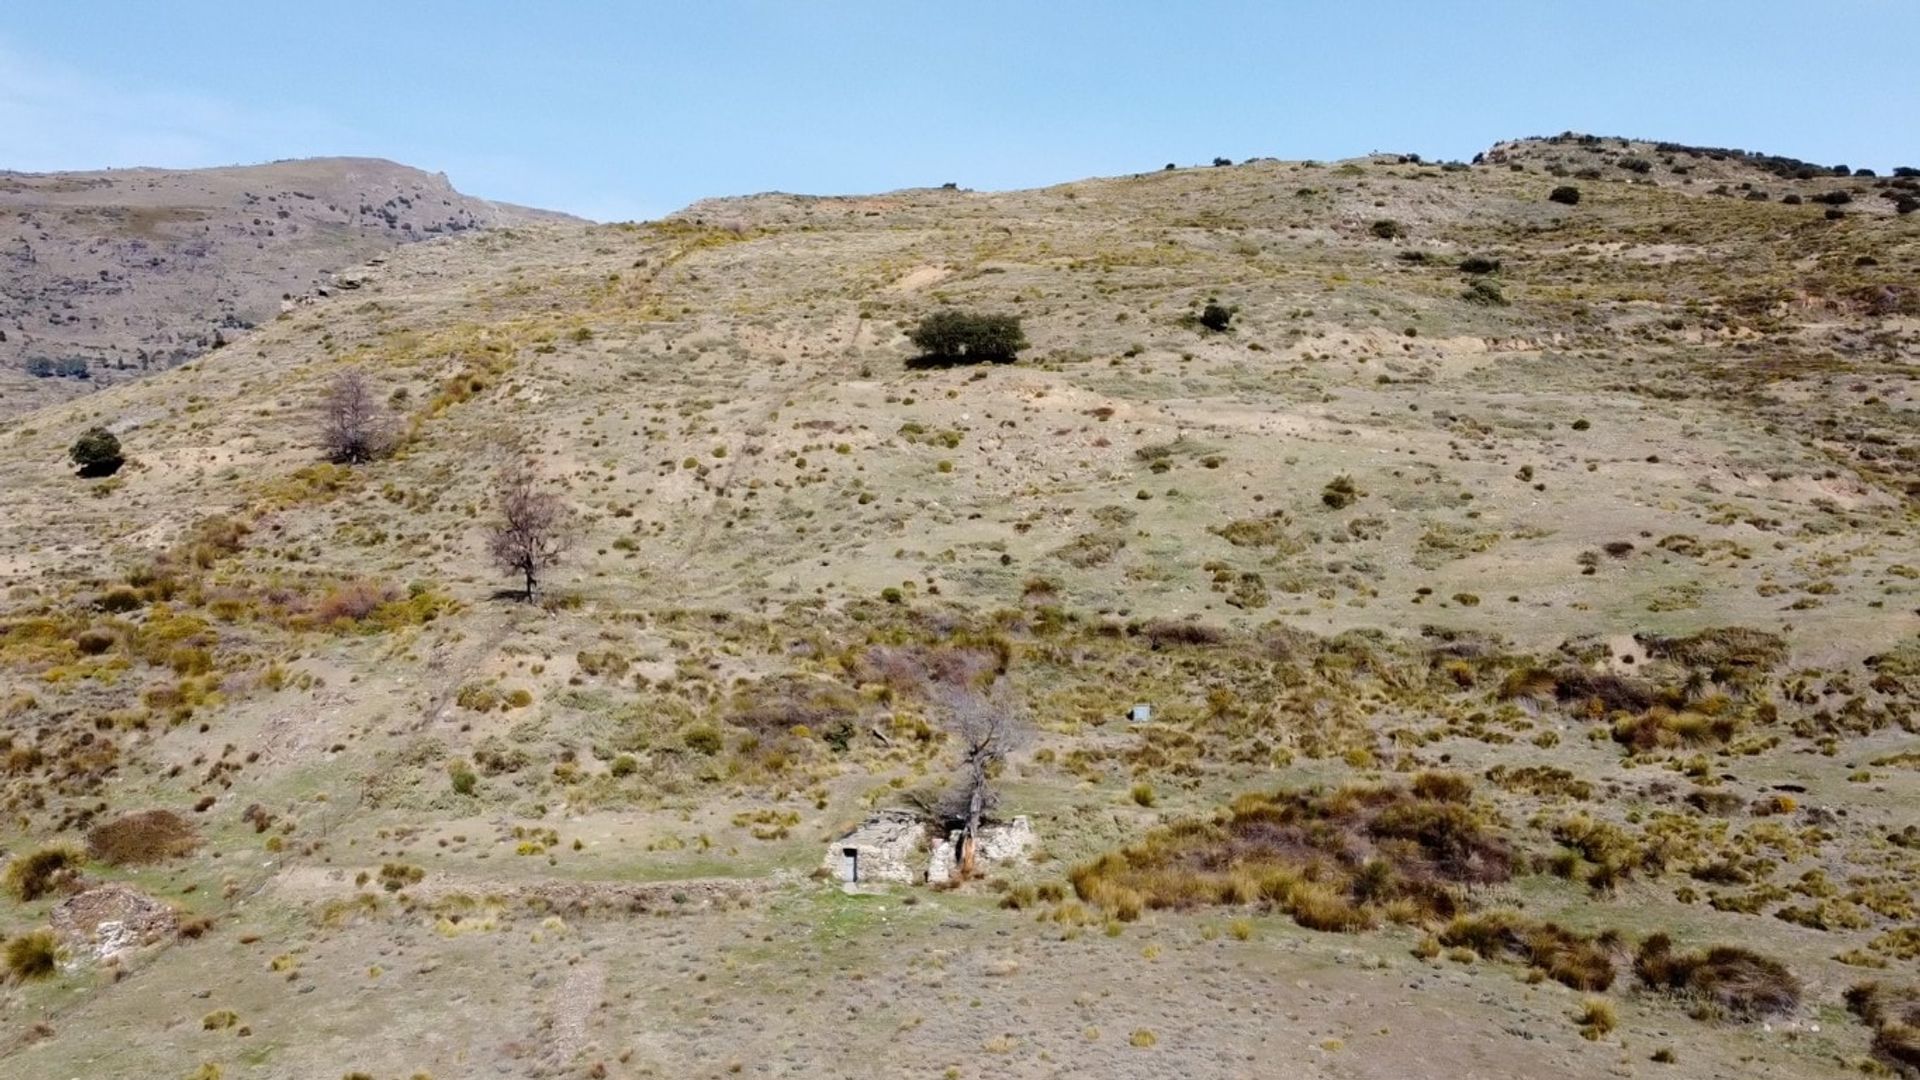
(1485, 292)
(1894, 1014)
(97, 453)
(1568, 958)
(1339, 493)
(1661, 728)
(33, 955)
(149, 836)
(1163, 632)
(38, 873)
(352, 601)
(1334, 861)
(774, 706)
(1268, 532)
(1596, 1018)
(1565, 195)
(1724, 649)
(1216, 318)
(1724, 979)
(1597, 852)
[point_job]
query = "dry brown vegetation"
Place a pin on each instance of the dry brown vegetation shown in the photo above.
(33, 874)
(148, 836)
(1334, 861)
(1481, 641)
(1894, 1014)
(1724, 979)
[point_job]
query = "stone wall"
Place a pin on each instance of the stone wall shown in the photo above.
(999, 843)
(889, 848)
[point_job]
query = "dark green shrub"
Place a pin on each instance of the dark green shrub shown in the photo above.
(968, 337)
(1388, 229)
(1477, 264)
(1565, 195)
(463, 778)
(704, 740)
(1339, 492)
(1484, 291)
(97, 452)
(1216, 318)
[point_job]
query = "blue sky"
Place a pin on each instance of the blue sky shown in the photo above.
(623, 110)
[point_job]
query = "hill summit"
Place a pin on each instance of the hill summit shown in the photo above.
(108, 275)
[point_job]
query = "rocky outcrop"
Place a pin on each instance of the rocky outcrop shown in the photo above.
(104, 922)
(106, 276)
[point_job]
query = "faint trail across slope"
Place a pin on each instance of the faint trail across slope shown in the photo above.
(828, 370)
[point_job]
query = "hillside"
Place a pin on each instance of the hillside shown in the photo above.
(106, 276)
(1512, 582)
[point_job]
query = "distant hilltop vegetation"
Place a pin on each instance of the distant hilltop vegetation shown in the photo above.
(108, 275)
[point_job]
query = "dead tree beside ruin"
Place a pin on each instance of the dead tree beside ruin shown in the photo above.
(987, 726)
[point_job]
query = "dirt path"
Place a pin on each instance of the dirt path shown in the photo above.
(690, 896)
(473, 658)
(573, 1006)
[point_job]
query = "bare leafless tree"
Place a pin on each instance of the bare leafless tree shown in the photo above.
(353, 426)
(987, 725)
(534, 528)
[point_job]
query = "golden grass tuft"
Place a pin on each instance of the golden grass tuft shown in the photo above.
(33, 955)
(38, 873)
(1571, 959)
(1596, 1018)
